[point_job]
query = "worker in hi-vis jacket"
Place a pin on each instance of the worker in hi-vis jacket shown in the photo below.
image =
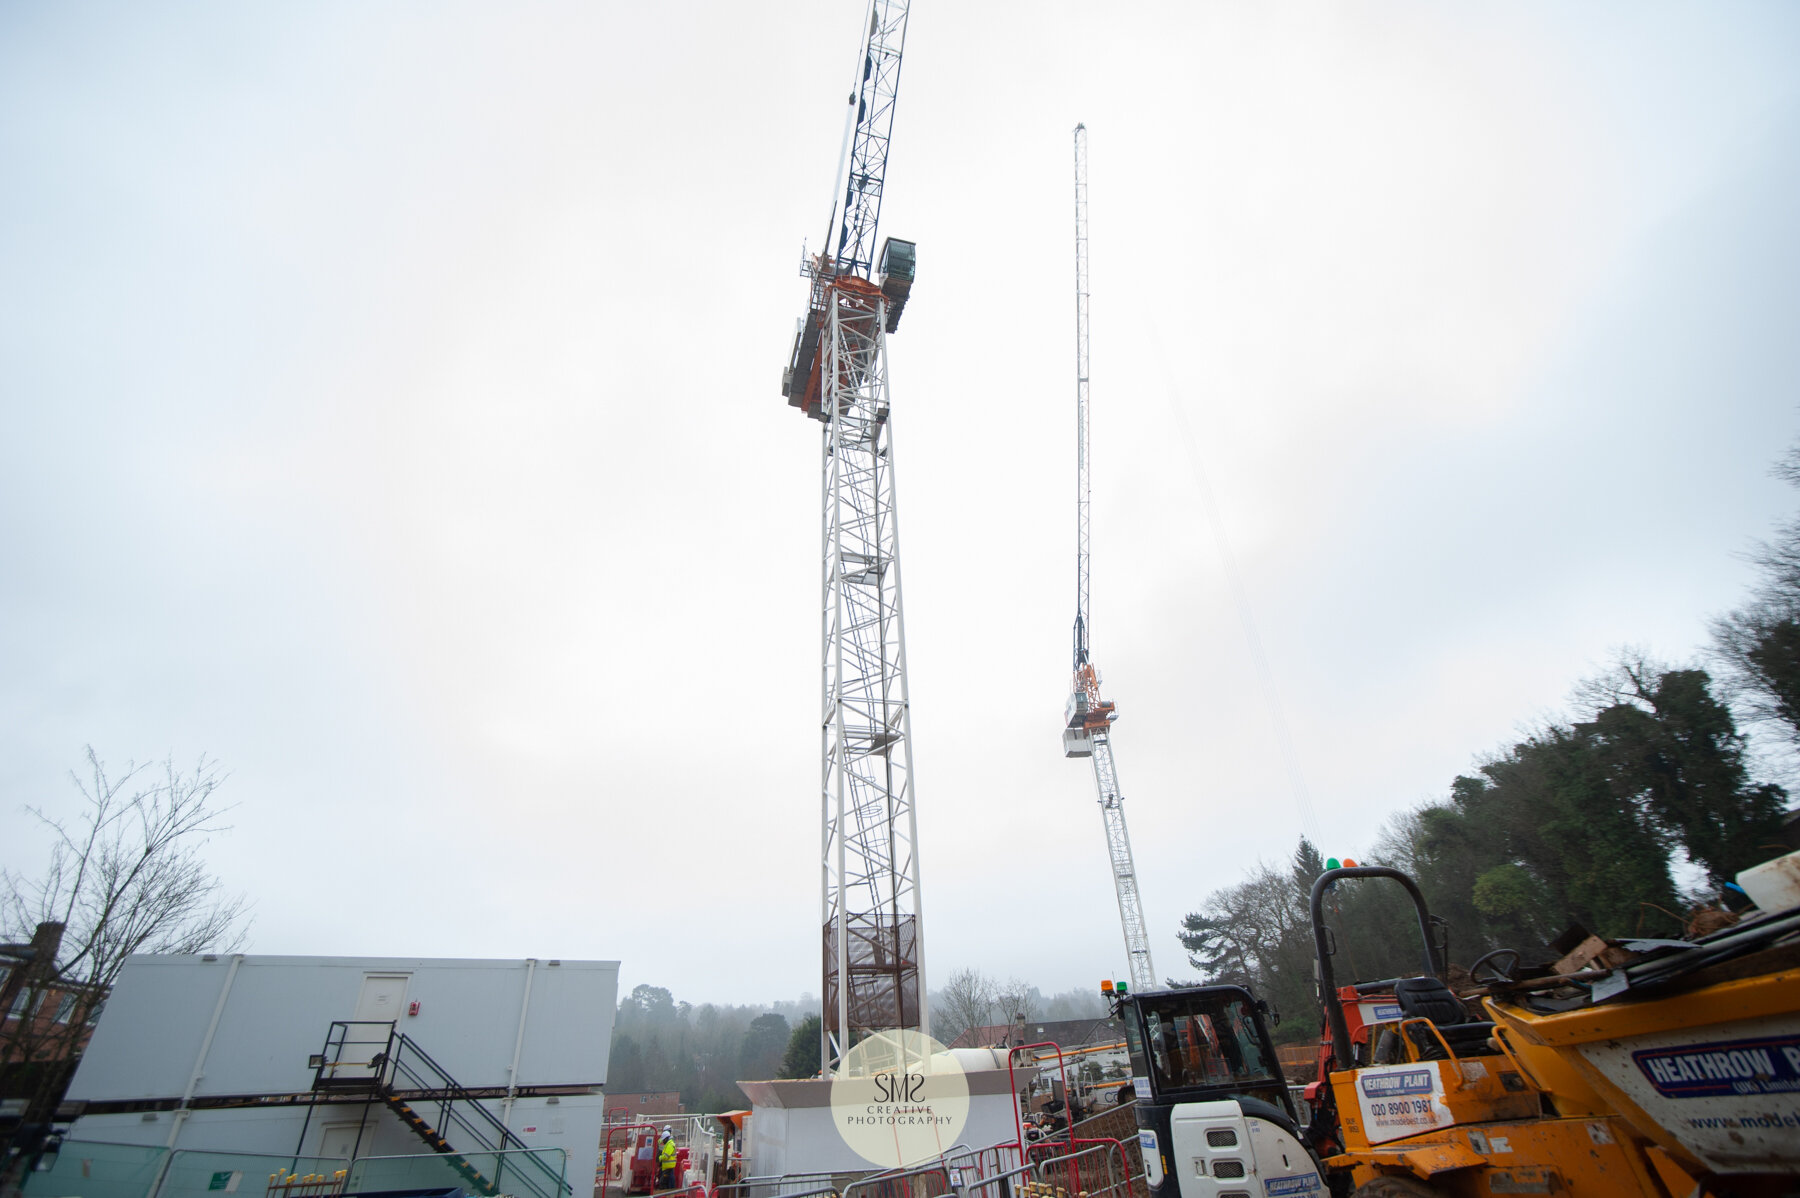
(665, 1159)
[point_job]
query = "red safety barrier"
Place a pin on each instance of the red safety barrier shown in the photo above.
(1081, 1147)
(1018, 1116)
(606, 1152)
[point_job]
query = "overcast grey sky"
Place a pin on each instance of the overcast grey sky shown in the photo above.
(391, 410)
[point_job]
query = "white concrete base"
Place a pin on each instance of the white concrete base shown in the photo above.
(790, 1129)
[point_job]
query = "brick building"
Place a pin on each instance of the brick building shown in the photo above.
(642, 1107)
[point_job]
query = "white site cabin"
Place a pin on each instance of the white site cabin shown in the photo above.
(221, 1053)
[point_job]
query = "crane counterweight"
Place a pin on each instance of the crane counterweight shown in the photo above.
(800, 381)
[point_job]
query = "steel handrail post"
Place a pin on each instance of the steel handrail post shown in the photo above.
(444, 1112)
(1018, 1118)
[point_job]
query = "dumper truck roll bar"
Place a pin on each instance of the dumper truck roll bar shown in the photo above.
(1322, 945)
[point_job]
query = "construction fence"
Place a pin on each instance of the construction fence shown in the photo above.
(1052, 1168)
(90, 1169)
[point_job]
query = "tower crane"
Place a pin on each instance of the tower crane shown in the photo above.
(1087, 718)
(874, 973)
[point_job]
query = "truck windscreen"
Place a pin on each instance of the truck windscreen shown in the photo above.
(1204, 1039)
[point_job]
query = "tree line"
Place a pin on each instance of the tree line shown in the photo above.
(662, 1044)
(1583, 821)
(701, 1051)
(971, 999)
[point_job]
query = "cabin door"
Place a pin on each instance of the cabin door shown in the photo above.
(377, 1007)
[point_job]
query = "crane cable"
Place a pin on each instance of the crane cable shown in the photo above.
(1239, 597)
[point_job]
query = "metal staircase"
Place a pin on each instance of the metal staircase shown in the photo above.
(375, 1059)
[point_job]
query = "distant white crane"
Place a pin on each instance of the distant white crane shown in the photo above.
(1087, 720)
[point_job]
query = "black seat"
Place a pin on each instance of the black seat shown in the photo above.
(1428, 998)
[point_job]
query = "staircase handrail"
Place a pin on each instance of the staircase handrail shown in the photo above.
(337, 1038)
(391, 1064)
(508, 1140)
(443, 1081)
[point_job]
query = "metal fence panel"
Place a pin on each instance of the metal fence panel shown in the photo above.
(195, 1174)
(932, 1181)
(89, 1169)
(513, 1172)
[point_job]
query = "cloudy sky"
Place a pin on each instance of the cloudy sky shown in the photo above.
(391, 411)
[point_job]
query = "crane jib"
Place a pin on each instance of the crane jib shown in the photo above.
(876, 90)
(851, 254)
(1088, 718)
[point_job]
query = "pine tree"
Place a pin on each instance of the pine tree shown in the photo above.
(802, 1056)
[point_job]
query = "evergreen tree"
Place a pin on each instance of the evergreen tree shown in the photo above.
(1309, 863)
(625, 1066)
(1257, 935)
(764, 1042)
(802, 1056)
(1673, 749)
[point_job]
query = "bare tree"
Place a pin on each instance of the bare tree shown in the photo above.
(1758, 643)
(966, 1001)
(1016, 999)
(125, 875)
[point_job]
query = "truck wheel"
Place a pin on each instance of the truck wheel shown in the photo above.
(1396, 1185)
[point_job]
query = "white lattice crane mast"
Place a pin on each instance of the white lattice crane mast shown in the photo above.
(874, 972)
(1087, 719)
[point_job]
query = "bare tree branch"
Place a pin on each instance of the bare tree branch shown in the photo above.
(125, 875)
(1016, 998)
(966, 1001)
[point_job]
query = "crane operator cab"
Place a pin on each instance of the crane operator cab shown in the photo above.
(1213, 1112)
